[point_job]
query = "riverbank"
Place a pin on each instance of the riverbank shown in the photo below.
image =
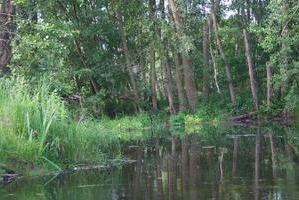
(38, 133)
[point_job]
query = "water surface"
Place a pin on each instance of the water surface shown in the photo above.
(208, 163)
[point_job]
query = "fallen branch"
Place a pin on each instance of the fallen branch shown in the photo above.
(244, 117)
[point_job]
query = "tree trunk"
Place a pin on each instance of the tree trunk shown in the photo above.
(223, 56)
(206, 59)
(284, 46)
(190, 86)
(142, 75)
(153, 75)
(189, 80)
(215, 68)
(6, 29)
(179, 82)
(168, 83)
(165, 63)
(269, 83)
(153, 78)
(129, 63)
(250, 64)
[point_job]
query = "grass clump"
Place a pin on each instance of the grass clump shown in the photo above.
(35, 129)
(37, 132)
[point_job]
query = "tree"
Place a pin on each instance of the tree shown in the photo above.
(222, 53)
(250, 62)
(189, 80)
(6, 34)
(153, 75)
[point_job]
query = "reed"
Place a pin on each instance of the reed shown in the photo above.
(36, 129)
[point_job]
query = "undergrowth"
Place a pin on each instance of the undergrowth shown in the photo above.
(37, 131)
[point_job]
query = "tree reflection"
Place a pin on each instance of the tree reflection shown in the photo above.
(158, 169)
(235, 156)
(257, 164)
(194, 167)
(172, 165)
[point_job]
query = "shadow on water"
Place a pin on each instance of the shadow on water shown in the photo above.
(208, 163)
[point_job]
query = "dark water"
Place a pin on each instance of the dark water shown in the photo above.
(223, 163)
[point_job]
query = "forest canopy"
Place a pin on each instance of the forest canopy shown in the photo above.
(115, 57)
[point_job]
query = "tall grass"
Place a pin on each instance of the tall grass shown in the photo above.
(35, 129)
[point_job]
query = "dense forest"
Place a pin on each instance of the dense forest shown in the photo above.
(122, 57)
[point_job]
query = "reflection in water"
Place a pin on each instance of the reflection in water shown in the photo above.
(195, 172)
(235, 156)
(257, 164)
(158, 169)
(172, 169)
(250, 164)
(273, 154)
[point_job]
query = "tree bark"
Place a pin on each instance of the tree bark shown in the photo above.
(269, 83)
(250, 63)
(168, 83)
(222, 53)
(179, 82)
(153, 78)
(189, 79)
(215, 68)
(153, 75)
(129, 63)
(206, 59)
(284, 46)
(6, 34)
(165, 63)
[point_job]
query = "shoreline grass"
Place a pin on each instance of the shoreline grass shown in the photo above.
(37, 132)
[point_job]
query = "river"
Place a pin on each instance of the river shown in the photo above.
(228, 163)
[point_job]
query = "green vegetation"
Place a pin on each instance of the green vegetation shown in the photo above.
(81, 78)
(36, 130)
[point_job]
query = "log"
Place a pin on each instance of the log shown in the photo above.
(244, 116)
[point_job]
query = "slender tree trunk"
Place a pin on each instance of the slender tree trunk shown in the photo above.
(284, 46)
(189, 79)
(129, 63)
(250, 63)
(153, 78)
(269, 83)
(215, 68)
(222, 53)
(206, 59)
(6, 29)
(142, 76)
(179, 82)
(166, 66)
(168, 84)
(153, 75)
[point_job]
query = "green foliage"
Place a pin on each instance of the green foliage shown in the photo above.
(36, 129)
